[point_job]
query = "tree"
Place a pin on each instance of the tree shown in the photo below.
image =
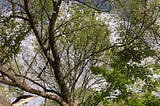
(70, 40)
(60, 87)
(127, 72)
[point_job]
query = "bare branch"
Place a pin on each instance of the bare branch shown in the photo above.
(15, 82)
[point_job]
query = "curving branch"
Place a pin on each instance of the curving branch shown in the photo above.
(13, 81)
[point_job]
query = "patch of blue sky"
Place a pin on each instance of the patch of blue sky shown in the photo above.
(102, 5)
(5, 5)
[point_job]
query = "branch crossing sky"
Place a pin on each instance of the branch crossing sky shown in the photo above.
(102, 5)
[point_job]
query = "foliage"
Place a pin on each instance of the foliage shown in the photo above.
(73, 58)
(126, 67)
(11, 35)
(146, 100)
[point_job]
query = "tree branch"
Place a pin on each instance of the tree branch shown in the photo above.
(17, 83)
(52, 42)
(85, 4)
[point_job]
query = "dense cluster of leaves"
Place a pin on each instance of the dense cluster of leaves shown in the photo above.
(11, 35)
(145, 100)
(126, 67)
(12, 32)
